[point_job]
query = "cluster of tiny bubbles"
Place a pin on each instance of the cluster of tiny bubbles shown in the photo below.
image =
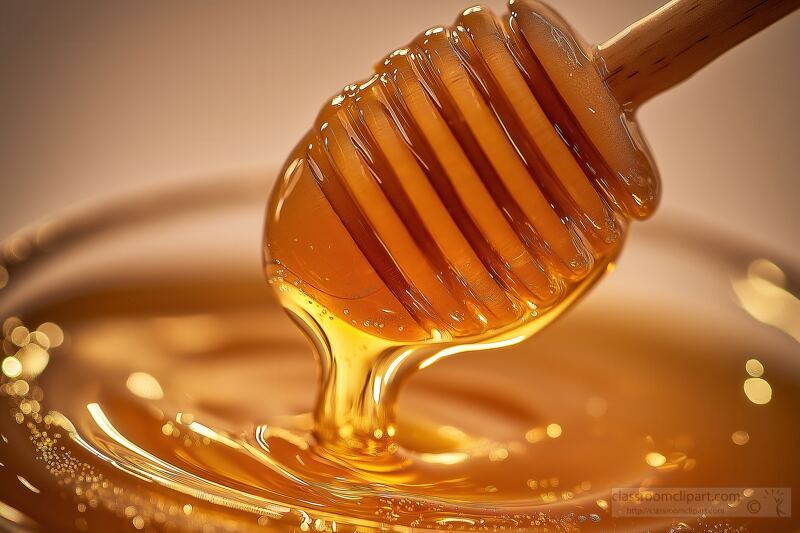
(431, 518)
(53, 439)
(708, 527)
(26, 353)
(93, 485)
(280, 276)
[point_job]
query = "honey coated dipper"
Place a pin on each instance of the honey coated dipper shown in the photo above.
(484, 175)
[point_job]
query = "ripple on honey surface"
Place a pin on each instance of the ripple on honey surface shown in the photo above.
(194, 413)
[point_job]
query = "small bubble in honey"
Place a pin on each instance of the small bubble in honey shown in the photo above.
(754, 368)
(758, 390)
(12, 367)
(553, 431)
(740, 437)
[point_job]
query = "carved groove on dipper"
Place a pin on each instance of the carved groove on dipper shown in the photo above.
(443, 182)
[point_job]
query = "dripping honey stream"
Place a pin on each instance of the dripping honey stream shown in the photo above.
(470, 190)
(141, 417)
(452, 202)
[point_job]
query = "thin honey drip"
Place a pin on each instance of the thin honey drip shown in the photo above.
(454, 197)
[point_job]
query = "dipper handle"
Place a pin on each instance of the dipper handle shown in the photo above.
(678, 39)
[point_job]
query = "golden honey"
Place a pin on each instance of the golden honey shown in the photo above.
(454, 203)
(156, 401)
(457, 189)
(476, 185)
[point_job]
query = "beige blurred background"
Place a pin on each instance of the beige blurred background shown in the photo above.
(100, 97)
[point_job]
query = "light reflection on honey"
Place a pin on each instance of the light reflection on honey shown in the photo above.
(185, 404)
(762, 293)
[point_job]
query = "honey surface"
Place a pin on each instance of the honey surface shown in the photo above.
(187, 406)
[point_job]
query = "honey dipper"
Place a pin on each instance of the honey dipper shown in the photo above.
(485, 174)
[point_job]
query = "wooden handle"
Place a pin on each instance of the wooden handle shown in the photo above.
(677, 40)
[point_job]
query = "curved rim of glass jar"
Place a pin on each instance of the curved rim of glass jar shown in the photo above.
(42, 240)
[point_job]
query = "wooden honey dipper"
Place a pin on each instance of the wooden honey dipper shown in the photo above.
(485, 174)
